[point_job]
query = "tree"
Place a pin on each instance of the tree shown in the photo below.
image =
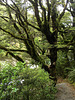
(46, 22)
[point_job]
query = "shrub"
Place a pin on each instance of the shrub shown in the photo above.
(71, 76)
(23, 83)
(63, 65)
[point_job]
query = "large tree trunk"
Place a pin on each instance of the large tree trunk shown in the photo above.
(53, 57)
(52, 39)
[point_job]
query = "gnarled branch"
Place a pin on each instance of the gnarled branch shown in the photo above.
(43, 9)
(16, 37)
(48, 10)
(15, 56)
(35, 5)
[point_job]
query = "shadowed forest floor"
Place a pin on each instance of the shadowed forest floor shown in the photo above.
(65, 91)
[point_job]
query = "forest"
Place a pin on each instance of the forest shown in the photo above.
(37, 47)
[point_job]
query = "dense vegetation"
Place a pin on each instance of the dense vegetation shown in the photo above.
(21, 82)
(40, 33)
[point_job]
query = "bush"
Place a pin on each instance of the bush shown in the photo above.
(71, 76)
(23, 83)
(63, 64)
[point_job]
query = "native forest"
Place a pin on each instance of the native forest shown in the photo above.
(37, 47)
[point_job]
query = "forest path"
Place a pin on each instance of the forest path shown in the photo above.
(65, 91)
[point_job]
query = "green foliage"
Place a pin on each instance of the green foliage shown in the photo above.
(66, 20)
(71, 76)
(63, 64)
(24, 83)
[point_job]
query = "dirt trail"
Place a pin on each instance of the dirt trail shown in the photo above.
(65, 91)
